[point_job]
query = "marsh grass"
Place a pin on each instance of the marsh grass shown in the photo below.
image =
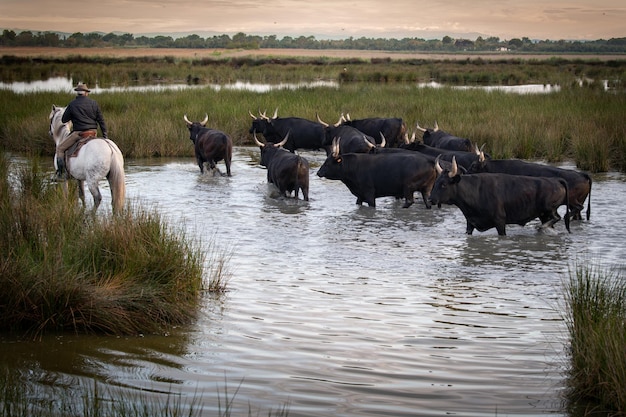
(20, 396)
(63, 268)
(581, 122)
(595, 314)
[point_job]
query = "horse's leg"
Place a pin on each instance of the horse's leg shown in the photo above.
(81, 191)
(95, 192)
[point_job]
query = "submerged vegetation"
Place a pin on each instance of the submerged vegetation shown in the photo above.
(595, 313)
(63, 268)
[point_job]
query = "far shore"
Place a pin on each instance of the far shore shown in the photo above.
(52, 52)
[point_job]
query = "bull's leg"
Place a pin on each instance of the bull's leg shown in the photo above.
(227, 162)
(501, 228)
(201, 165)
(305, 193)
(549, 220)
(425, 196)
(469, 228)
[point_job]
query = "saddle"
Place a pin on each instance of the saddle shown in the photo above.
(85, 137)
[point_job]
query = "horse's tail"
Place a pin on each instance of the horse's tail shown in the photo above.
(117, 180)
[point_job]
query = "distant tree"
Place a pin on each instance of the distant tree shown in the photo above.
(25, 38)
(515, 43)
(8, 37)
(447, 40)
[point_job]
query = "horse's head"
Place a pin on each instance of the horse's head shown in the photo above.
(58, 129)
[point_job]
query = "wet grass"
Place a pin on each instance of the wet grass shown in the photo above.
(63, 268)
(21, 397)
(595, 314)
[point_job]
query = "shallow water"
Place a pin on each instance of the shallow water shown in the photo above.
(336, 309)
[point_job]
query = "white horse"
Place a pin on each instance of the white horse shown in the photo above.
(96, 159)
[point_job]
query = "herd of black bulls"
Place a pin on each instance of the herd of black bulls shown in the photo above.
(374, 157)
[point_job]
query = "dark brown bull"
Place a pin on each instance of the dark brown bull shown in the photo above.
(444, 140)
(495, 200)
(287, 171)
(211, 145)
(369, 176)
(579, 183)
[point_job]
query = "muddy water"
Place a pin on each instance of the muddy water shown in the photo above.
(335, 309)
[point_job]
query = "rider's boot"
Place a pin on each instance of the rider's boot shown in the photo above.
(60, 169)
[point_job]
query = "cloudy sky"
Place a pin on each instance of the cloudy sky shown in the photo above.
(506, 19)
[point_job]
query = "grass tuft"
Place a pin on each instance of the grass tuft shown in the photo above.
(595, 314)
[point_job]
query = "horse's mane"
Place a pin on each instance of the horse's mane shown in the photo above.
(61, 129)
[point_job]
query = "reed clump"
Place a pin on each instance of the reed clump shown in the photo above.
(595, 314)
(63, 268)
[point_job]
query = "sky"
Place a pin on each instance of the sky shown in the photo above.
(432, 19)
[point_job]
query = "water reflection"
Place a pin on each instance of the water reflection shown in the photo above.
(61, 84)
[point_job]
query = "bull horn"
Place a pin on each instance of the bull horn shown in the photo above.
(481, 157)
(406, 138)
(282, 143)
(335, 147)
(206, 119)
(258, 142)
(348, 117)
(275, 116)
(436, 128)
(383, 141)
(338, 122)
(252, 115)
(454, 169)
(189, 122)
(417, 125)
(320, 120)
(263, 115)
(437, 166)
(369, 144)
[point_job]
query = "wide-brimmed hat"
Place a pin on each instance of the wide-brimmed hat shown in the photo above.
(82, 87)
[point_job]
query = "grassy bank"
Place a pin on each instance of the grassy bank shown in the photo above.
(595, 313)
(62, 268)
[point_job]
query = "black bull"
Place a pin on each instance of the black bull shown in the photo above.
(303, 133)
(287, 171)
(440, 139)
(210, 145)
(369, 176)
(578, 183)
(495, 200)
(393, 129)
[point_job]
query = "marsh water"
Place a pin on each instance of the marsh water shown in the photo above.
(336, 309)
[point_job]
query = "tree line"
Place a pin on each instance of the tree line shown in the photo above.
(244, 41)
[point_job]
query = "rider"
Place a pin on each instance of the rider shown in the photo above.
(85, 115)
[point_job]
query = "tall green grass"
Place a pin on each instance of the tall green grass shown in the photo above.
(62, 268)
(595, 314)
(579, 122)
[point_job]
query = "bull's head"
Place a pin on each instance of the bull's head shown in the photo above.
(277, 145)
(203, 123)
(326, 124)
(454, 170)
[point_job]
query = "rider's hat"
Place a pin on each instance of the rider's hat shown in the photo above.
(82, 87)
